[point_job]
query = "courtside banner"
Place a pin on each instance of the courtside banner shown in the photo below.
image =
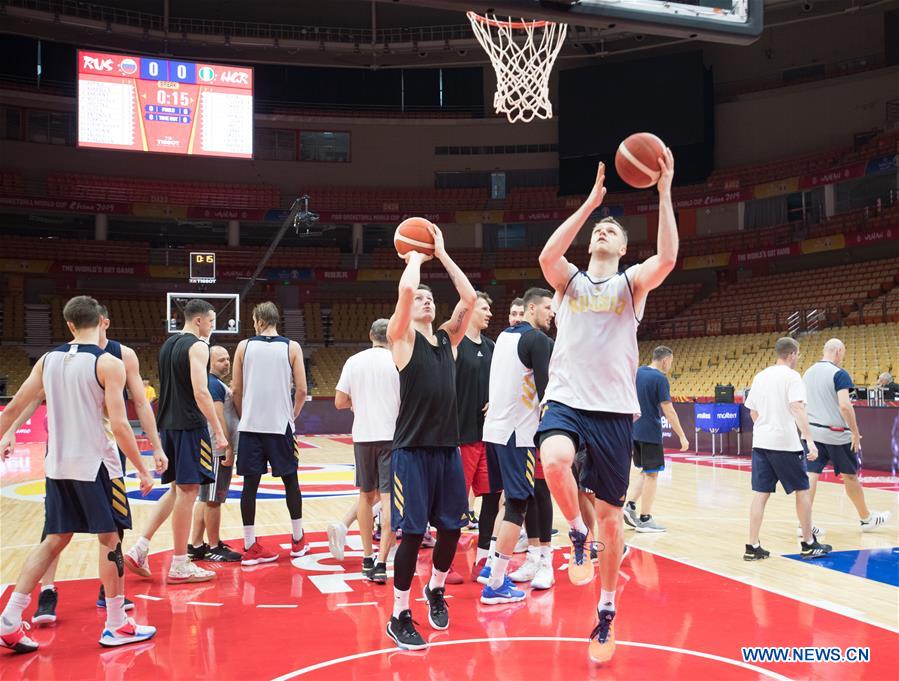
(717, 418)
(35, 428)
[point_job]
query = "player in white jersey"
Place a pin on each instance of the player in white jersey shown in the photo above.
(85, 489)
(591, 398)
(518, 378)
(266, 366)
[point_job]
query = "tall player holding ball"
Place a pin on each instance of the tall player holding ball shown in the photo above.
(591, 397)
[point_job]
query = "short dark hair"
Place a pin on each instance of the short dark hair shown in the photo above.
(533, 294)
(614, 222)
(425, 287)
(197, 307)
(484, 296)
(786, 346)
(82, 312)
(267, 313)
(518, 302)
(104, 311)
(661, 353)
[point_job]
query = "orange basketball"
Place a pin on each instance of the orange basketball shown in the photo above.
(637, 159)
(412, 235)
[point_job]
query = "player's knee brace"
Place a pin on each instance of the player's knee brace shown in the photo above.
(515, 511)
(116, 557)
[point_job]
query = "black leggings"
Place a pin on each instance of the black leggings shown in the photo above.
(539, 518)
(248, 497)
(407, 556)
(489, 511)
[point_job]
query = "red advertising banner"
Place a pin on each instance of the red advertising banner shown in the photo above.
(762, 254)
(872, 236)
(226, 213)
(35, 428)
(66, 205)
(335, 275)
(62, 267)
(832, 176)
(384, 217)
(694, 202)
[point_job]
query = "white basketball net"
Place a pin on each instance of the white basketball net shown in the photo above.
(522, 68)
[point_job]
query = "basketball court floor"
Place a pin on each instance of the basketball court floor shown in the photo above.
(688, 603)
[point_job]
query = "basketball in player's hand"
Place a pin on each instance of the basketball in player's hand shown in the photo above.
(413, 234)
(637, 160)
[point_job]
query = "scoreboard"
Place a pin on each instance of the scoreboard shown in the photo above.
(162, 105)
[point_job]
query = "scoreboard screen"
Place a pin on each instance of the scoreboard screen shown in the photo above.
(163, 105)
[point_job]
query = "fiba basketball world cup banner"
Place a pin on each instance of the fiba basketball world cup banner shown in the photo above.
(717, 418)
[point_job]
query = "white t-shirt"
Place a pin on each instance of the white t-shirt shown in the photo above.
(371, 380)
(772, 391)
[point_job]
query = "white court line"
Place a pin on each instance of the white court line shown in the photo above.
(423, 600)
(353, 605)
(146, 597)
(291, 605)
(669, 649)
(211, 605)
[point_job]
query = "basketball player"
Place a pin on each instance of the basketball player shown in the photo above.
(776, 403)
(654, 394)
(185, 407)
(516, 311)
(48, 599)
(482, 474)
(518, 380)
(591, 398)
(428, 481)
(83, 387)
(370, 386)
(265, 366)
(208, 509)
(835, 430)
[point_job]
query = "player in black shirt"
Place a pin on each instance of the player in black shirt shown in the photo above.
(427, 482)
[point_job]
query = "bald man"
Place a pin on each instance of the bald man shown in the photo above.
(835, 430)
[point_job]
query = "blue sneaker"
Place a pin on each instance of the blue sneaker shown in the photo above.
(101, 600)
(484, 577)
(505, 593)
(130, 632)
(580, 567)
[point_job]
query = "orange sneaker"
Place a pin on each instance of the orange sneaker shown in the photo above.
(257, 554)
(602, 640)
(580, 567)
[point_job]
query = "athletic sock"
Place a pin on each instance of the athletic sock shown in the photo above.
(491, 551)
(498, 570)
(115, 612)
(143, 544)
(249, 536)
(375, 509)
(606, 600)
(400, 601)
(12, 613)
(178, 561)
(756, 545)
(438, 579)
(481, 553)
(297, 526)
(546, 551)
(578, 525)
(47, 586)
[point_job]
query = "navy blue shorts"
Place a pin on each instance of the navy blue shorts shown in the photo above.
(427, 486)
(516, 464)
(607, 440)
(258, 451)
(190, 456)
(770, 467)
(89, 507)
(841, 457)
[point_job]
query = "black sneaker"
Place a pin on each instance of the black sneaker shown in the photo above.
(46, 607)
(222, 553)
(755, 553)
(402, 630)
(438, 615)
(472, 520)
(197, 552)
(101, 600)
(368, 568)
(815, 549)
(379, 574)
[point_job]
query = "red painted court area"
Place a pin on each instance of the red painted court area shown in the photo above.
(318, 619)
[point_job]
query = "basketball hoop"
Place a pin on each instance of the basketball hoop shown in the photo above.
(522, 68)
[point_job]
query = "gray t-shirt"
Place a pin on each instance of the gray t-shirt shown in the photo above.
(822, 382)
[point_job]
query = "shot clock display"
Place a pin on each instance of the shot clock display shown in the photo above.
(202, 268)
(162, 105)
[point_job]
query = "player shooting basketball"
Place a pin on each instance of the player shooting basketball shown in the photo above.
(591, 396)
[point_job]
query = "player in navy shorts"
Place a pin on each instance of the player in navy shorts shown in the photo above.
(427, 481)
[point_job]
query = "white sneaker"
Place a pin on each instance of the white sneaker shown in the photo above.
(816, 531)
(337, 539)
(545, 578)
(138, 561)
(130, 632)
(522, 544)
(188, 573)
(875, 520)
(528, 569)
(630, 516)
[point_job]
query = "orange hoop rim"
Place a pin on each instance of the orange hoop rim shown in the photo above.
(499, 23)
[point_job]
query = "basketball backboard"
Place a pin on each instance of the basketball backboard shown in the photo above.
(226, 305)
(726, 21)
